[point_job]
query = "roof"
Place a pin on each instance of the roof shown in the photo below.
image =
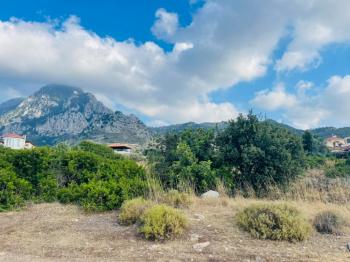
(120, 145)
(12, 136)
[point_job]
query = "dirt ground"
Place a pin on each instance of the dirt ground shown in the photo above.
(55, 232)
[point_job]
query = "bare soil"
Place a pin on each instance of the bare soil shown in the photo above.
(55, 232)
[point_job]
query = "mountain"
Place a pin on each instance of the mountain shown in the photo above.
(325, 132)
(59, 113)
(214, 125)
(10, 105)
(190, 125)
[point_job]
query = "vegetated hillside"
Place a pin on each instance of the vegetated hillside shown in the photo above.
(325, 132)
(214, 125)
(190, 125)
(59, 113)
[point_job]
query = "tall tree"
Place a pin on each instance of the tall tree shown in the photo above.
(308, 142)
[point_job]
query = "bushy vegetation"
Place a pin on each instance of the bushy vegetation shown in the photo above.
(329, 222)
(339, 167)
(247, 153)
(90, 175)
(177, 199)
(275, 222)
(132, 210)
(162, 222)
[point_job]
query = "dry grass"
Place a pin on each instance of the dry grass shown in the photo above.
(315, 187)
(54, 232)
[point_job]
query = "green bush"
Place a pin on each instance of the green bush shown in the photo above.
(339, 170)
(162, 222)
(275, 222)
(89, 175)
(177, 199)
(13, 190)
(132, 210)
(329, 222)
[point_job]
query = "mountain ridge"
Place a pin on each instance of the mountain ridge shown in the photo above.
(58, 113)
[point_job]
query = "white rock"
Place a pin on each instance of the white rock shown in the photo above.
(194, 237)
(200, 246)
(348, 246)
(198, 217)
(211, 194)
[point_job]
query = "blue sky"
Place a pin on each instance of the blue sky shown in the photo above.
(173, 61)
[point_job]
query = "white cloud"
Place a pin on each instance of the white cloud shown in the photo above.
(227, 42)
(271, 100)
(166, 24)
(328, 106)
(316, 25)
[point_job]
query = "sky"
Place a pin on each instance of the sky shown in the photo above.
(174, 61)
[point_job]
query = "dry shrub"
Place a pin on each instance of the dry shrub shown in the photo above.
(162, 222)
(177, 199)
(329, 222)
(132, 210)
(275, 222)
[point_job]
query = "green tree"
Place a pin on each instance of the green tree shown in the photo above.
(258, 154)
(308, 142)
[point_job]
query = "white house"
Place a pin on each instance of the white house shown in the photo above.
(15, 141)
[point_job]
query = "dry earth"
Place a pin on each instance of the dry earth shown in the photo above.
(55, 232)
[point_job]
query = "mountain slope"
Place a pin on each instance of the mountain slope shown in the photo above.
(58, 113)
(10, 105)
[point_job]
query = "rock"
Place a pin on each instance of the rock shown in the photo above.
(210, 194)
(198, 217)
(194, 237)
(200, 246)
(348, 246)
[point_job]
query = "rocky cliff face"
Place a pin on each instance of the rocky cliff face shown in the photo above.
(59, 113)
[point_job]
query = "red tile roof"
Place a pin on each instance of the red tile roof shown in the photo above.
(12, 136)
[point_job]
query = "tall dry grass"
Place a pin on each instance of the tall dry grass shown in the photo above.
(315, 187)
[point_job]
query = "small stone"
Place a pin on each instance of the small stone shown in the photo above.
(200, 246)
(198, 217)
(348, 246)
(210, 194)
(194, 237)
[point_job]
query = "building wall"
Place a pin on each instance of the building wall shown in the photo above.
(14, 143)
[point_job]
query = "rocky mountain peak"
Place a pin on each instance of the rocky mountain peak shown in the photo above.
(57, 113)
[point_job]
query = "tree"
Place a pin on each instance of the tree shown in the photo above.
(259, 154)
(308, 142)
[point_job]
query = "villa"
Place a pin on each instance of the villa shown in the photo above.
(15, 141)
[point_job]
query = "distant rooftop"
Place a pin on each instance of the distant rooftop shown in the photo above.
(12, 135)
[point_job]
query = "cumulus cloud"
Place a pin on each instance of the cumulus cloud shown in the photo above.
(316, 25)
(274, 99)
(221, 47)
(166, 24)
(328, 106)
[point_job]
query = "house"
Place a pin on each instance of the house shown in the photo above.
(15, 141)
(125, 149)
(334, 142)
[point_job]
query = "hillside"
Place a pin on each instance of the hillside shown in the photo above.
(59, 113)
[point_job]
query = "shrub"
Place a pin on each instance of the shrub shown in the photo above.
(162, 222)
(13, 190)
(132, 210)
(48, 188)
(329, 222)
(275, 222)
(177, 199)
